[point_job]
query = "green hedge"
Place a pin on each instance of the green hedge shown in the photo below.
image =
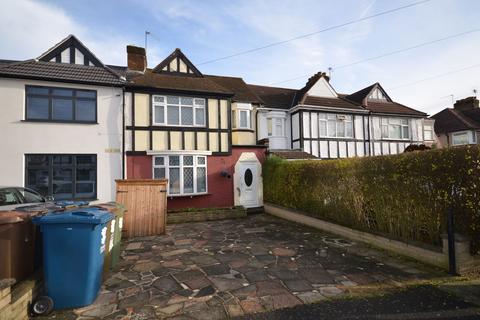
(403, 196)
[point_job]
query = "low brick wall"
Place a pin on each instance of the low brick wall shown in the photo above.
(205, 215)
(15, 300)
(465, 262)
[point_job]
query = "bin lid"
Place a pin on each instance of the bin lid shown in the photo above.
(75, 216)
(7, 217)
(69, 203)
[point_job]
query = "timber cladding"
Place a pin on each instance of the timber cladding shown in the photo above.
(146, 206)
(214, 135)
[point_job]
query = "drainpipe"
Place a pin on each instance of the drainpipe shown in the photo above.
(123, 134)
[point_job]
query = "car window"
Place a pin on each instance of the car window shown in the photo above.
(30, 196)
(8, 197)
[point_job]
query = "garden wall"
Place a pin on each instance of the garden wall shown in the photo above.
(403, 197)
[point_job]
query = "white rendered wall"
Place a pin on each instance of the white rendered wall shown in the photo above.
(20, 137)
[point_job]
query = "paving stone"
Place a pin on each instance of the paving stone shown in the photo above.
(206, 291)
(283, 252)
(298, 285)
(182, 242)
(234, 310)
(197, 283)
(317, 275)
(257, 275)
(119, 284)
(203, 260)
(171, 309)
(284, 274)
(216, 269)
(174, 253)
(188, 275)
(286, 300)
(100, 311)
(330, 291)
(166, 284)
(270, 288)
(133, 301)
(311, 297)
(158, 301)
(251, 306)
(238, 263)
(254, 230)
(212, 313)
(145, 312)
(145, 266)
(248, 291)
(225, 284)
(173, 264)
(133, 246)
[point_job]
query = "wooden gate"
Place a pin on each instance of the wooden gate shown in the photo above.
(146, 205)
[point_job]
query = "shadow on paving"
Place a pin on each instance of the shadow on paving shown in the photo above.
(422, 302)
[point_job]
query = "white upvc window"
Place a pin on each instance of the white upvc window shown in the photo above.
(428, 132)
(178, 111)
(276, 127)
(395, 128)
(186, 174)
(241, 117)
(460, 138)
(335, 125)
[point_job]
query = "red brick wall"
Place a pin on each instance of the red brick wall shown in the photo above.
(220, 189)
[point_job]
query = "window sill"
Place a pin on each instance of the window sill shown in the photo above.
(60, 122)
(171, 196)
(243, 130)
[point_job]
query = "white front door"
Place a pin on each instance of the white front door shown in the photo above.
(247, 184)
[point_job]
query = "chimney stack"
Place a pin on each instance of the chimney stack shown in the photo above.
(136, 59)
(466, 104)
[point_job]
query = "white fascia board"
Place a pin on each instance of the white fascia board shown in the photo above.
(179, 152)
(320, 108)
(244, 106)
(396, 115)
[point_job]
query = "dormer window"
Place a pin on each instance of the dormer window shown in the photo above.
(377, 94)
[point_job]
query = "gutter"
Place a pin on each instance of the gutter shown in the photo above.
(323, 108)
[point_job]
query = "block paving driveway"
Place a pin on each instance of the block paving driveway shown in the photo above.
(222, 269)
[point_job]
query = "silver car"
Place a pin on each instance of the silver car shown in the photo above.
(14, 197)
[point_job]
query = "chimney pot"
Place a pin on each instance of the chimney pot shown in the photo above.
(136, 59)
(466, 104)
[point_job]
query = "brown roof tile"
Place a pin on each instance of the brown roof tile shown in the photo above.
(273, 97)
(339, 102)
(176, 82)
(451, 120)
(393, 108)
(241, 90)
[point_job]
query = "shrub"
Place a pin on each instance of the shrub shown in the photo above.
(403, 197)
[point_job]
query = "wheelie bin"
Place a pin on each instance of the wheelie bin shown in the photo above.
(17, 246)
(73, 247)
(114, 246)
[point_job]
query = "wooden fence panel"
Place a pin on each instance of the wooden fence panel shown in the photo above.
(146, 205)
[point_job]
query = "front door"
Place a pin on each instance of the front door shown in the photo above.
(247, 184)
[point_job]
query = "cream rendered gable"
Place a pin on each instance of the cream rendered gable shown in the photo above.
(322, 89)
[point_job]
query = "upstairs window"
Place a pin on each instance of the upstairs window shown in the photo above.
(275, 127)
(178, 111)
(241, 117)
(395, 128)
(186, 174)
(377, 94)
(60, 104)
(335, 125)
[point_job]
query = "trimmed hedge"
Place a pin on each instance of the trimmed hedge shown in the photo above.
(403, 197)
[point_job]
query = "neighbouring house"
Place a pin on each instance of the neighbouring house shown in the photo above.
(459, 125)
(321, 122)
(196, 130)
(61, 124)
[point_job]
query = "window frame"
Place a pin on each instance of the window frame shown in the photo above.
(402, 126)
(166, 166)
(165, 105)
(237, 118)
(460, 133)
(50, 96)
(272, 125)
(324, 118)
(425, 126)
(73, 166)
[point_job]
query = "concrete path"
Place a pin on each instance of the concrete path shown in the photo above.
(221, 269)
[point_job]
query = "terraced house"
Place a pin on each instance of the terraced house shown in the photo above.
(61, 124)
(324, 124)
(195, 130)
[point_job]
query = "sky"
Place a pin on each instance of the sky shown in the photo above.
(426, 78)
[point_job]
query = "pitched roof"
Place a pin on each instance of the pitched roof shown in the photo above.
(274, 97)
(242, 92)
(177, 53)
(340, 102)
(451, 120)
(154, 80)
(63, 72)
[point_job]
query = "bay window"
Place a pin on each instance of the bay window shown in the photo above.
(241, 117)
(178, 111)
(186, 174)
(335, 125)
(395, 128)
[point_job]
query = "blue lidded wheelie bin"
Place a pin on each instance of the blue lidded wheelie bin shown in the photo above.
(73, 248)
